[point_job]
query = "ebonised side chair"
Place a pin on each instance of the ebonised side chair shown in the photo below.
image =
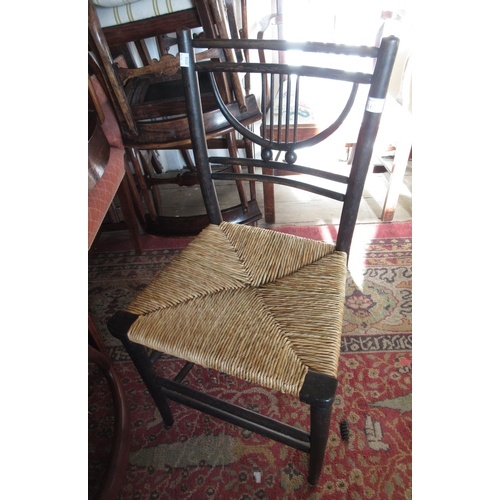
(257, 304)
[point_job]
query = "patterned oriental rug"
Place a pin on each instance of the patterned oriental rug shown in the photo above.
(201, 457)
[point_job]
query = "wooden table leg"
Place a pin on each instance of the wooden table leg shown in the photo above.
(401, 157)
(268, 187)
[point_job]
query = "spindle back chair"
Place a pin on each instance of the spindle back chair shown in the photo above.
(253, 303)
(148, 99)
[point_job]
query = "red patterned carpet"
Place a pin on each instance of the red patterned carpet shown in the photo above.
(202, 457)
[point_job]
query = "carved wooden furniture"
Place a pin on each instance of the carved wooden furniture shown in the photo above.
(150, 105)
(256, 304)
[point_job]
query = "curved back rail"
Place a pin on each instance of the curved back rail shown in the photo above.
(288, 80)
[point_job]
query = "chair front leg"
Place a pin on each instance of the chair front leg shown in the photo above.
(319, 431)
(118, 326)
(318, 392)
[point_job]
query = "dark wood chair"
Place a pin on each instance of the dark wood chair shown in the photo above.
(257, 304)
(149, 102)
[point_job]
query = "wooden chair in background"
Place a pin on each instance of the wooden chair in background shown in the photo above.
(397, 126)
(256, 304)
(304, 130)
(120, 447)
(149, 102)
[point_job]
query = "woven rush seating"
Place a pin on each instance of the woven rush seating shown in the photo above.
(254, 279)
(256, 304)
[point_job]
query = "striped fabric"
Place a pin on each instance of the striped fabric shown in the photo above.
(113, 12)
(112, 3)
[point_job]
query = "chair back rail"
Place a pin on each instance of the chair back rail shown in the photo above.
(151, 27)
(279, 82)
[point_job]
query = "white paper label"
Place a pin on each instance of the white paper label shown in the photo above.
(184, 59)
(375, 105)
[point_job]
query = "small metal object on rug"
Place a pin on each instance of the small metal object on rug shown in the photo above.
(344, 430)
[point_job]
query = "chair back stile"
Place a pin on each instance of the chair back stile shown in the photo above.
(378, 82)
(197, 130)
(115, 89)
(367, 135)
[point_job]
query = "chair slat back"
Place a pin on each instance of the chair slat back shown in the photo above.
(280, 100)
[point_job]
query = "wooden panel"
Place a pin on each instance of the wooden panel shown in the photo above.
(160, 25)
